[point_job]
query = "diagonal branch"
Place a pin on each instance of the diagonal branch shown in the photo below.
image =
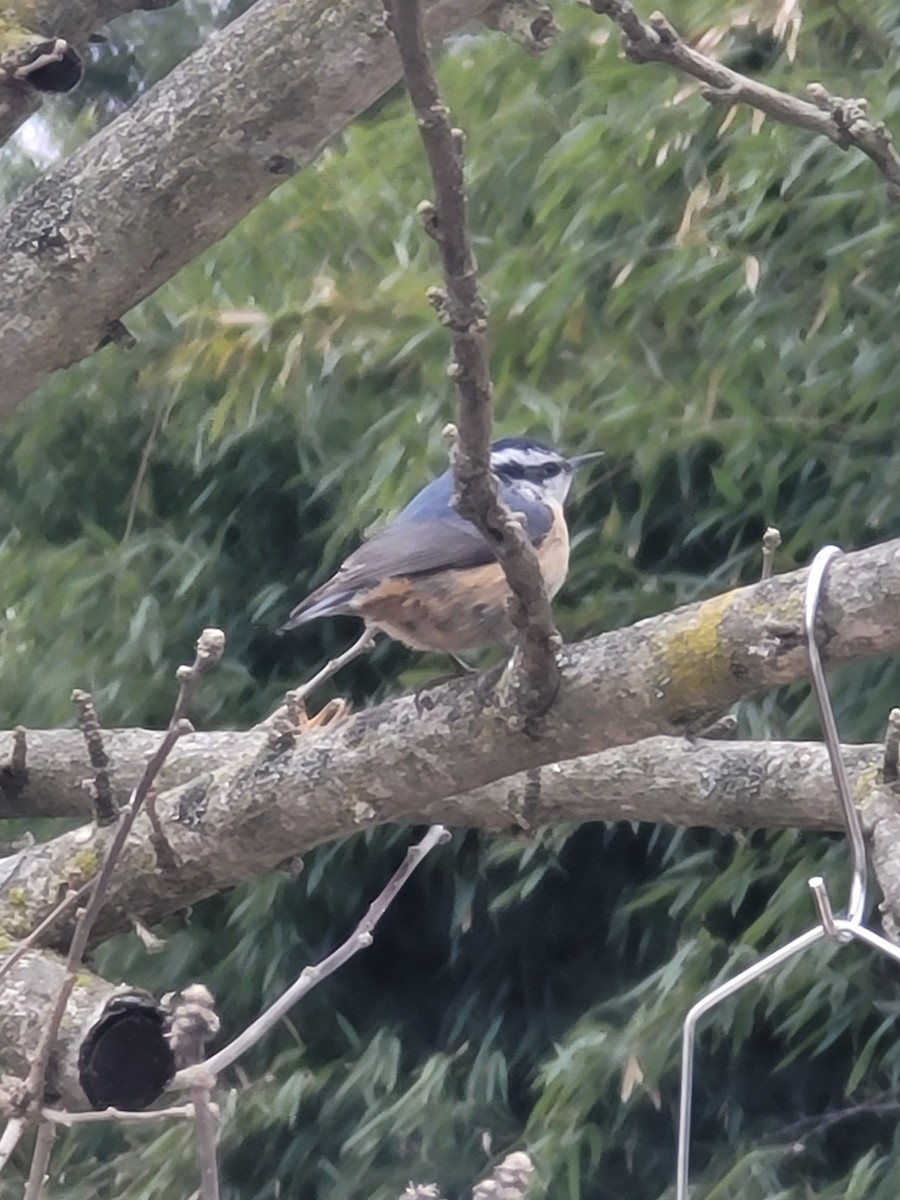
(172, 175)
(843, 121)
(462, 309)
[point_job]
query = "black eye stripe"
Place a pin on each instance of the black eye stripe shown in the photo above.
(534, 472)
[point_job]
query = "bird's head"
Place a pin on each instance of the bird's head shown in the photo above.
(518, 460)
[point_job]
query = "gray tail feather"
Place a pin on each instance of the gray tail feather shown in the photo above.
(315, 606)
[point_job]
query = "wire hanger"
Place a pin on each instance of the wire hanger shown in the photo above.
(840, 929)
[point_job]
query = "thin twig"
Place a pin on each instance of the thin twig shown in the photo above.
(15, 1127)
(192, 1024)
(209, 650)
(843, 121)
(811, 1126)
(771, 540)
(207, 1129)
(461, 307)
(60, 1117)
(890, 769)
(312, 975)
(286, 721)
(105, 809)
(40, 1158)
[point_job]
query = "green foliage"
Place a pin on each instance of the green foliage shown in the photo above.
(714, 307)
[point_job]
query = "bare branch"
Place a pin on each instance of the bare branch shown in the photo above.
(123, 213)
(209, 650)
(309, 977)
(40, 1160)
(104, 806)
(60, 1117)
(844, 122)
(663, 675)
(12, 1135)
(462, 309)
(288, 719)
(195, 1022)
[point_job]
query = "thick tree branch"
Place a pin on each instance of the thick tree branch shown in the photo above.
(39, 42)
(404, 760)
(28, 993)
(462, 308)
(666, 780)
(168, 178)
(843, 121)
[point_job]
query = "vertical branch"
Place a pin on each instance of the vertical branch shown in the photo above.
(193, 1023)
(461, 307)
(104, 805)
(40, 1159)
(209, 650)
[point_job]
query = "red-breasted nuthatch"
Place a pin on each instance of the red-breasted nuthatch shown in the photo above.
(429, 578)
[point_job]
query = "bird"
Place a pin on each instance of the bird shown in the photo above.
(430, 580)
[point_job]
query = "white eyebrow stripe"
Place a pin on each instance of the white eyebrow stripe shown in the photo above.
(528, 457)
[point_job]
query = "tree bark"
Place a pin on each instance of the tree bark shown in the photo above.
(169, 177)
(406, 759)
(27, 994)
(665, 780)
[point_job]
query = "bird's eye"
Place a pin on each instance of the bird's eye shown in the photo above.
(551, 469)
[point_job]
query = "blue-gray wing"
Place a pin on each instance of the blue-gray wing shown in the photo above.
(428, 535)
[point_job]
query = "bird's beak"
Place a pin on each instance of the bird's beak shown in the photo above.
(580, 459)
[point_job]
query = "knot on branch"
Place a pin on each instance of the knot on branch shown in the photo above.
(639, 40)
(193, 1022)
(528, 23)
(436, 114)
(666, 33)
(469, 317)
(427, 214)
(850, 116)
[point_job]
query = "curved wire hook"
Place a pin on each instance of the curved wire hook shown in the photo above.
(840, 928)
(856, 905)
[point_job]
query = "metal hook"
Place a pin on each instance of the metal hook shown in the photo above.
(849, 928)
(856, 905)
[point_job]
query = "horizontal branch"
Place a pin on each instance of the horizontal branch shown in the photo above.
(172, 175)
(665, 780)
(843, 121)
(731, 786)
(405, 759)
